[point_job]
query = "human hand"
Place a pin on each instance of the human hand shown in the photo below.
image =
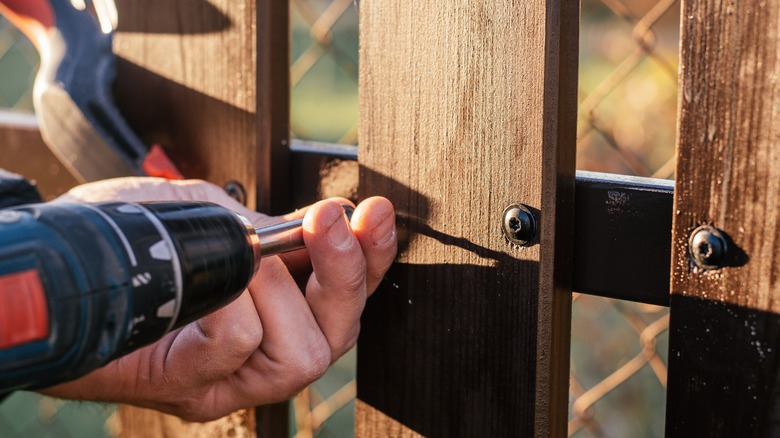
(274, 339)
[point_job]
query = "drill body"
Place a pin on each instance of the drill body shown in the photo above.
(82, 284)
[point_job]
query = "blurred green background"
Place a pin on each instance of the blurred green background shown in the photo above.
(626, 124)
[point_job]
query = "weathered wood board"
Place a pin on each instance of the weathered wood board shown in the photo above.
(209, 81)
(725, 326)
(467, 107)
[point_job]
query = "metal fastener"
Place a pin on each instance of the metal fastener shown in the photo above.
(707, 247)
(518, 224)
(236, 191)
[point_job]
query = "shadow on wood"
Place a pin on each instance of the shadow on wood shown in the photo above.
(198, 132)
(744, 391)
(448, 349)
(437, 352)
(412, 209)
(157, 17)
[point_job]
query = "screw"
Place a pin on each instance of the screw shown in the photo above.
(518, 224)
(707, 247)
(236, 191)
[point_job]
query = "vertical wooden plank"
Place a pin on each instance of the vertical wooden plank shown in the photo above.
(272, 178)
(188, 79)
(467, 107)
(273, 107)
(209, 81)
(725, 328)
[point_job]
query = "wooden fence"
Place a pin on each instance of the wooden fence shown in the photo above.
(468, 107)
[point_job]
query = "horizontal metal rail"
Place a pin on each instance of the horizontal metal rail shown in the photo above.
(623, 230)
(623, 237)
(326, 150)
(622, 240)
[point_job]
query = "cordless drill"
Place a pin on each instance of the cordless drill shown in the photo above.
(82, 284)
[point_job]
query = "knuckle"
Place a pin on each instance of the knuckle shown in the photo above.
(310, 364)
(244, 342)
(239, 338)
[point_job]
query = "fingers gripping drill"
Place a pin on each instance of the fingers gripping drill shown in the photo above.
(82, 284)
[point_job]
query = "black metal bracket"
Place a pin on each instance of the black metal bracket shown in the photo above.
(622, 230)
(623, 237)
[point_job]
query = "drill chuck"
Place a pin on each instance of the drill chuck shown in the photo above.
(82, 284)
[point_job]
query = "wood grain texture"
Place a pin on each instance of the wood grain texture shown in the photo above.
(725, 328)
(20, 139)
(467, 107)
(272, 175)
(209, 81)
(371, 423)
(143, 423)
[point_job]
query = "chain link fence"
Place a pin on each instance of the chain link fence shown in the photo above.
(324, 107)
(324, 71)
(627, 118)
(27, 414)
(627, 122)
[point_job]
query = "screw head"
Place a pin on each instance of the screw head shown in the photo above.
(236, 191)
(707, 247)
(518, 224)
